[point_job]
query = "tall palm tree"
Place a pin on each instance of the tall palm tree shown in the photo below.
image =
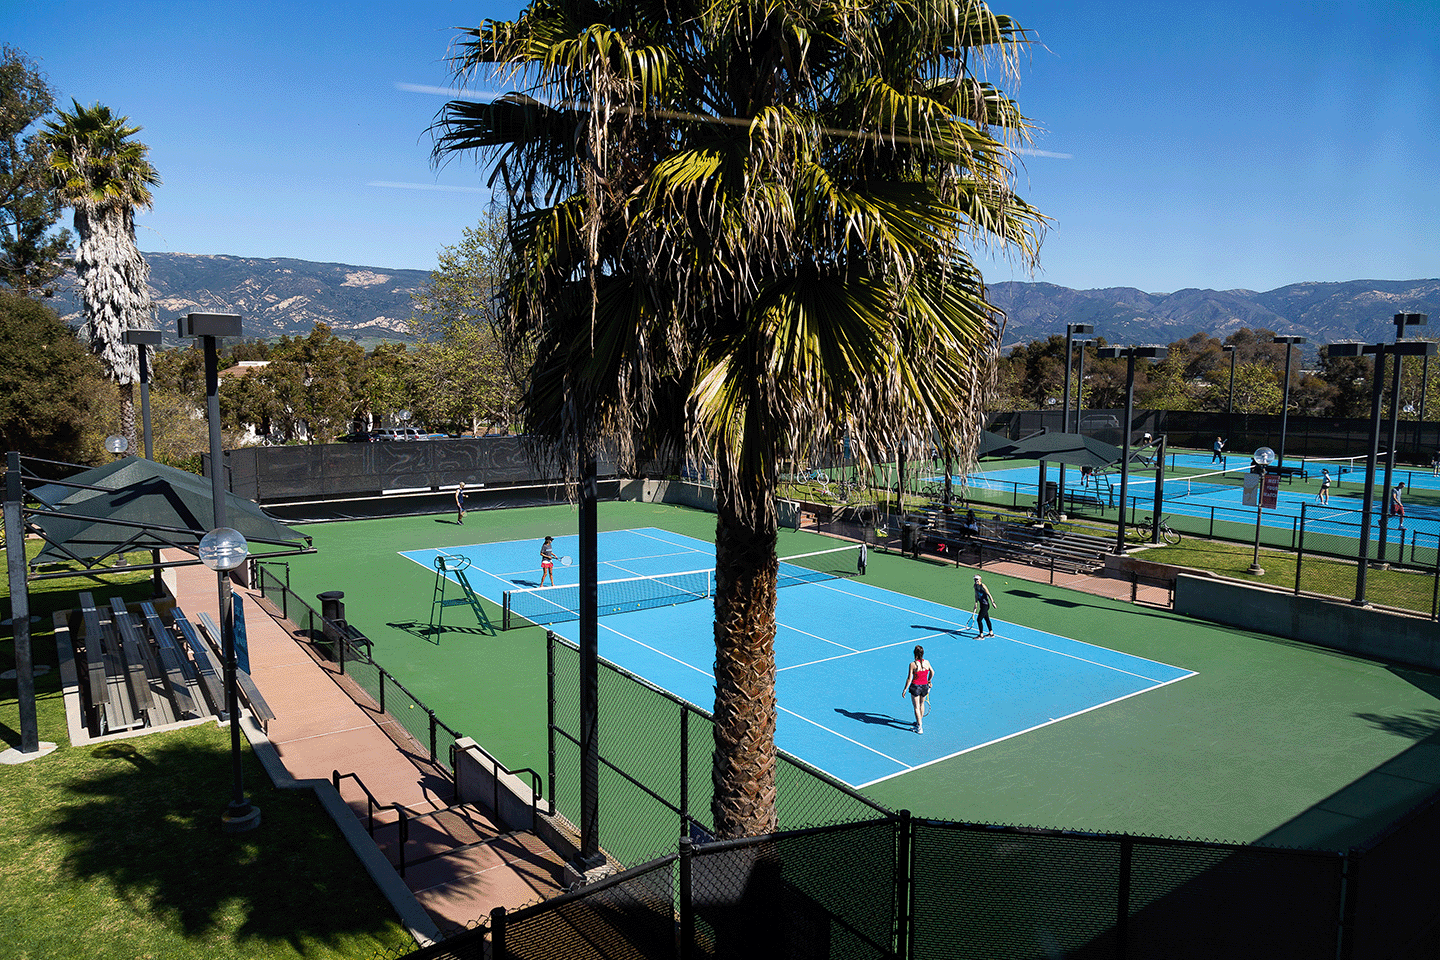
(105, 175)
(748, 224)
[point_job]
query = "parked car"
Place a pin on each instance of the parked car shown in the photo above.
(359, 436)
(398, 433)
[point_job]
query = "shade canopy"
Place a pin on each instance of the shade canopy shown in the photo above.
(993, 445)
(1074, 449)
(137, 504)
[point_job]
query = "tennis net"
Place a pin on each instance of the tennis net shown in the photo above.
(1197, 485)
(1340, 466)
(545, 605)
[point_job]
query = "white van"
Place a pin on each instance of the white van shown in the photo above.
(397, 433)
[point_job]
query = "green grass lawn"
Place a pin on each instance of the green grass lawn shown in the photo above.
(115, 850)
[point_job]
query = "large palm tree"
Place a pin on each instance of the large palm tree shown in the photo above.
(105, 174)
(748, 224)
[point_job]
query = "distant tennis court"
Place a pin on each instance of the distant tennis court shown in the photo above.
(842, 648)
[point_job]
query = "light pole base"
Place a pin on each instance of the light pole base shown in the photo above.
(16, 755)
(1255, 569)
(233, 821)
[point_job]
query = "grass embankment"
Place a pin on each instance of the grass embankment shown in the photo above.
(115, 850)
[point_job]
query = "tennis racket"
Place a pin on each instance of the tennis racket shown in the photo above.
(925, 705)
(971, 621)
(566, 561)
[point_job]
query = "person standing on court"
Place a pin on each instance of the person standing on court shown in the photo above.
(1218, 451)
(460, 503)
(983, 603)
(1397, 508)
(863, 557)
(917, 684)
(547, 561)
(1324, 496)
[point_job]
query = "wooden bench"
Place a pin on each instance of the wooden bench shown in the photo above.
(179, 671)
(209, 676)
(111, 684)
(258, 707)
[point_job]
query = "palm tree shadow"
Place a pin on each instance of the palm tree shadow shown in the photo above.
(148, 824)
(878, 719)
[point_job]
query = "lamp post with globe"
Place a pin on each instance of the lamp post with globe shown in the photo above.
(222, 550)
(1262, 458)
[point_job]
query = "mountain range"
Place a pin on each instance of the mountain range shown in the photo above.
(280, 296)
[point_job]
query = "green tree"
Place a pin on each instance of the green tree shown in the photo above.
(316, 380)
(32, 257)
(105, 174)
(47, 383)
(472, 374)
(750, 226)
(1257, 389)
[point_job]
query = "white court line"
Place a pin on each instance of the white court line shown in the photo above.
(1011, 736)
(843, 737)
(842, 656)
(828, 585)
(815, 636)
(684, 663)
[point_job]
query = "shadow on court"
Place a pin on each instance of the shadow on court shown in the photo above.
(880, 719)
(952, 631)
(426, 631)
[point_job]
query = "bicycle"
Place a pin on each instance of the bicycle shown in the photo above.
(1142, 531)
(1042, 511)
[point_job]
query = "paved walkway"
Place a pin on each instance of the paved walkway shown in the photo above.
(323, 724)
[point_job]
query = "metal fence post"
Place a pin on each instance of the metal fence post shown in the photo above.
(550, 709)
(684, 771)
(687, 909)
(1122, 898)
(382, 690)
(497, 934)
(432, 735)
(904, 886)
(1300, 548)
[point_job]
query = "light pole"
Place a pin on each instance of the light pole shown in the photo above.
(219, 553)
(1230, 404)
(1129, 353)
(142, 340)
(1285, 401)
(1071, 329)
(1262, 458)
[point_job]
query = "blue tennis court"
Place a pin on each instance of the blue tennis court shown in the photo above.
(841, 649)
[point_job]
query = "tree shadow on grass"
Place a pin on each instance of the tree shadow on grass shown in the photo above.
(148, 821)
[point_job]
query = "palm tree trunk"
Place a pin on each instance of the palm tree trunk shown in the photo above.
(744, 761)
(127, 418)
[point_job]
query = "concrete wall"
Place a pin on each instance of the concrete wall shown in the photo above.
(1335, 624)
(482, 781)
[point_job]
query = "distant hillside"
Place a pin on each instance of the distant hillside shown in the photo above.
(278, 297)
(1324, 312)
(367, 303)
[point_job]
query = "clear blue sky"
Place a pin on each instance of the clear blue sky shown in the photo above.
(1185, 144)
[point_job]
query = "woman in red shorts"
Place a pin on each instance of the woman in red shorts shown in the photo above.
(917, 684)
(547, 561)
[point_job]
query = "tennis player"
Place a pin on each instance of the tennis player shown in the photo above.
(983, 602)
(1217, 452)
(460, 503)
(1397, 508)
(547, 561)
(1324, 495)
(917, 684)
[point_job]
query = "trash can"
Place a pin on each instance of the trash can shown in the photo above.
(1052, 494)
(907, 537)
(332, 606)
